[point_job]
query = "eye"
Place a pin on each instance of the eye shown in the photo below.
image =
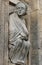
(18, 8)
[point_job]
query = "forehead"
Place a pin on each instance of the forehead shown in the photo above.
(21, 5)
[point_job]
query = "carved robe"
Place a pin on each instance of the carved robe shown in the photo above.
(18, 39)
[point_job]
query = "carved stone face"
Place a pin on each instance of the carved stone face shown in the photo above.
(21, 8)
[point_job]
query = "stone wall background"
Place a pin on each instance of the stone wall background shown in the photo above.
(36, 32)
(3, 32)
(34, 26)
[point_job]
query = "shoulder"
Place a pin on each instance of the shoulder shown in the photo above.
(11, 15)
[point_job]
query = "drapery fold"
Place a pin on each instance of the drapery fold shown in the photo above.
(18, 39)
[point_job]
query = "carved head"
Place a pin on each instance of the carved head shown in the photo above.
(21, 8)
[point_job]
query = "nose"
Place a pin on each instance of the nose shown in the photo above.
(19, 11)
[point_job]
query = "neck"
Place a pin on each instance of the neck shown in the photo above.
(22, 17)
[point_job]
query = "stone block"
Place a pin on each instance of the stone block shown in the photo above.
(3, 27)
(40, 4)
(34, 30)
(40, 22)
(35, 57)
(34, 4)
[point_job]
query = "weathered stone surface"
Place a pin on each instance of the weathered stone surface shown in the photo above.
(3, 32)
(40, 4)
(6, 34)
(36, 33)
(35, 60)
(40, 36)
(34, 38)
(34, 30)
(34, 4)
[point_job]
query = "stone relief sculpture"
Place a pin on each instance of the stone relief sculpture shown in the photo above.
(19, 44)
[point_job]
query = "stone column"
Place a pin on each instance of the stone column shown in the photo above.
(34, 32)
(40, 31)
(3, 32)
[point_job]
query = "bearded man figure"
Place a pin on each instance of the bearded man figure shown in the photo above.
(19, 44)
